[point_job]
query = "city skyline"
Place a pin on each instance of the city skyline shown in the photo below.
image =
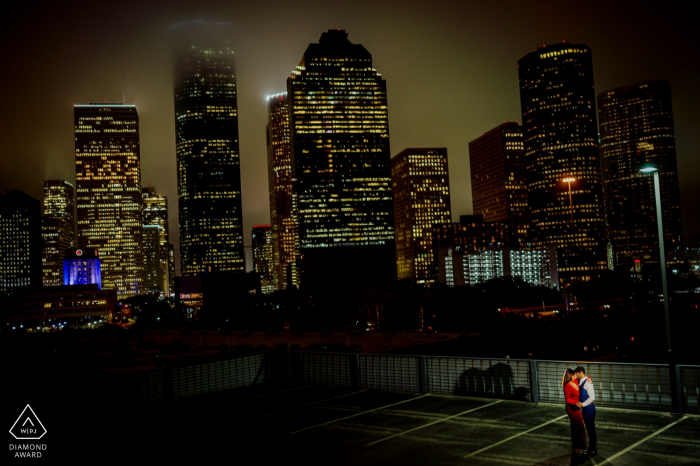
(485, 85)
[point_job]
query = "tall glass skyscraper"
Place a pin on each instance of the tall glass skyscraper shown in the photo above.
(279, 169)
(208, 168)
(341, 163)
(636, 126)
(155, 214)
(20, 241)
(57, 229)
(499, 181)
(108, 192)
(421, 185)
(262, 256)
(560, 133)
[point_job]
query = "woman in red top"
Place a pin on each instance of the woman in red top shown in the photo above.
(573, 409)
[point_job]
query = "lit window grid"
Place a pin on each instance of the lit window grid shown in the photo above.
(560, 139)
(473, 267)
(636, 126)
(209, 193)
(341, 157)
(20, 241)
(420, 179)
(57, 229)
(499, 182)
(108, 192)
(280, 187)
(155, 213)
(263, 257)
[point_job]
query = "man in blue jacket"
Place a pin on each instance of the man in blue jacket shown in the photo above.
(586, 398)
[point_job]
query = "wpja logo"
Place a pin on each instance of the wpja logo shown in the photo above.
(28, 427)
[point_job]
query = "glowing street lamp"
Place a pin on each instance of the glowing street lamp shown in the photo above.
(570, 180)
(645, 169)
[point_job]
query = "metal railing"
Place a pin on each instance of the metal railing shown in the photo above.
(182, 381)
(619, 385)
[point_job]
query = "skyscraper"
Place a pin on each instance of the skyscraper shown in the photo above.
(108, 194)
(20, 241)
(208, 169)
(155, 214)
(262, 256)
(421, 186)
(636, 126)
(557, 100)
(154, 270)
(341, 163)
(279, 169)
(499, 184)
(57, 229)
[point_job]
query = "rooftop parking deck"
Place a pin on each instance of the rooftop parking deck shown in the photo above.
(354, 409)
(329, 426)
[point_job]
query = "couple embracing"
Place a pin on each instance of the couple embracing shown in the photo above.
(579, 395)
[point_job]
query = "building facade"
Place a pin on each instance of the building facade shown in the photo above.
(636, 126)
(82, 267)
(108, 192)
(57, 229)
(341, 163)
(471, 234)
(537, 267)
(263, 257)
(421, 186)
(155, 214)
(499, 183)
(154, 269)
(208, 162)
(54, 307)
(20, 241)
(557, 100)
(279, 169)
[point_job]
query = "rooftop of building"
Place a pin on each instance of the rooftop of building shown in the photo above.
(340, 426)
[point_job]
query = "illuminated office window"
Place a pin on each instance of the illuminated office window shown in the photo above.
(499, 183)
(57, 229)
(560, 139)
(108, 192)
(340, 159)
(420, 181)
(279, 168)
(636, 126)
(208, 164)
(155, 213)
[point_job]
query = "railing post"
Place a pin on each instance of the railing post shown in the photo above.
(534, 382)
(354, 363)
(422, 375)
(679, 390)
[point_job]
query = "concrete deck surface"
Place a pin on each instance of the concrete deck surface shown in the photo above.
(334, 426)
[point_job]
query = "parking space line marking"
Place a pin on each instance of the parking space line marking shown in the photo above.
(301, 406)
(358, 414)
(314, 403)
(514, 436)
(435, 422)
(635, 445)
(270, 394)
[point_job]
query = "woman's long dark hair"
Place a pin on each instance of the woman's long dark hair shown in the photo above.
(568, 375)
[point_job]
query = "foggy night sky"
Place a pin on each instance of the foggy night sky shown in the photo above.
(451, 71)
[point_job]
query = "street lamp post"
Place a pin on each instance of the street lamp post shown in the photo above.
(676, 404)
